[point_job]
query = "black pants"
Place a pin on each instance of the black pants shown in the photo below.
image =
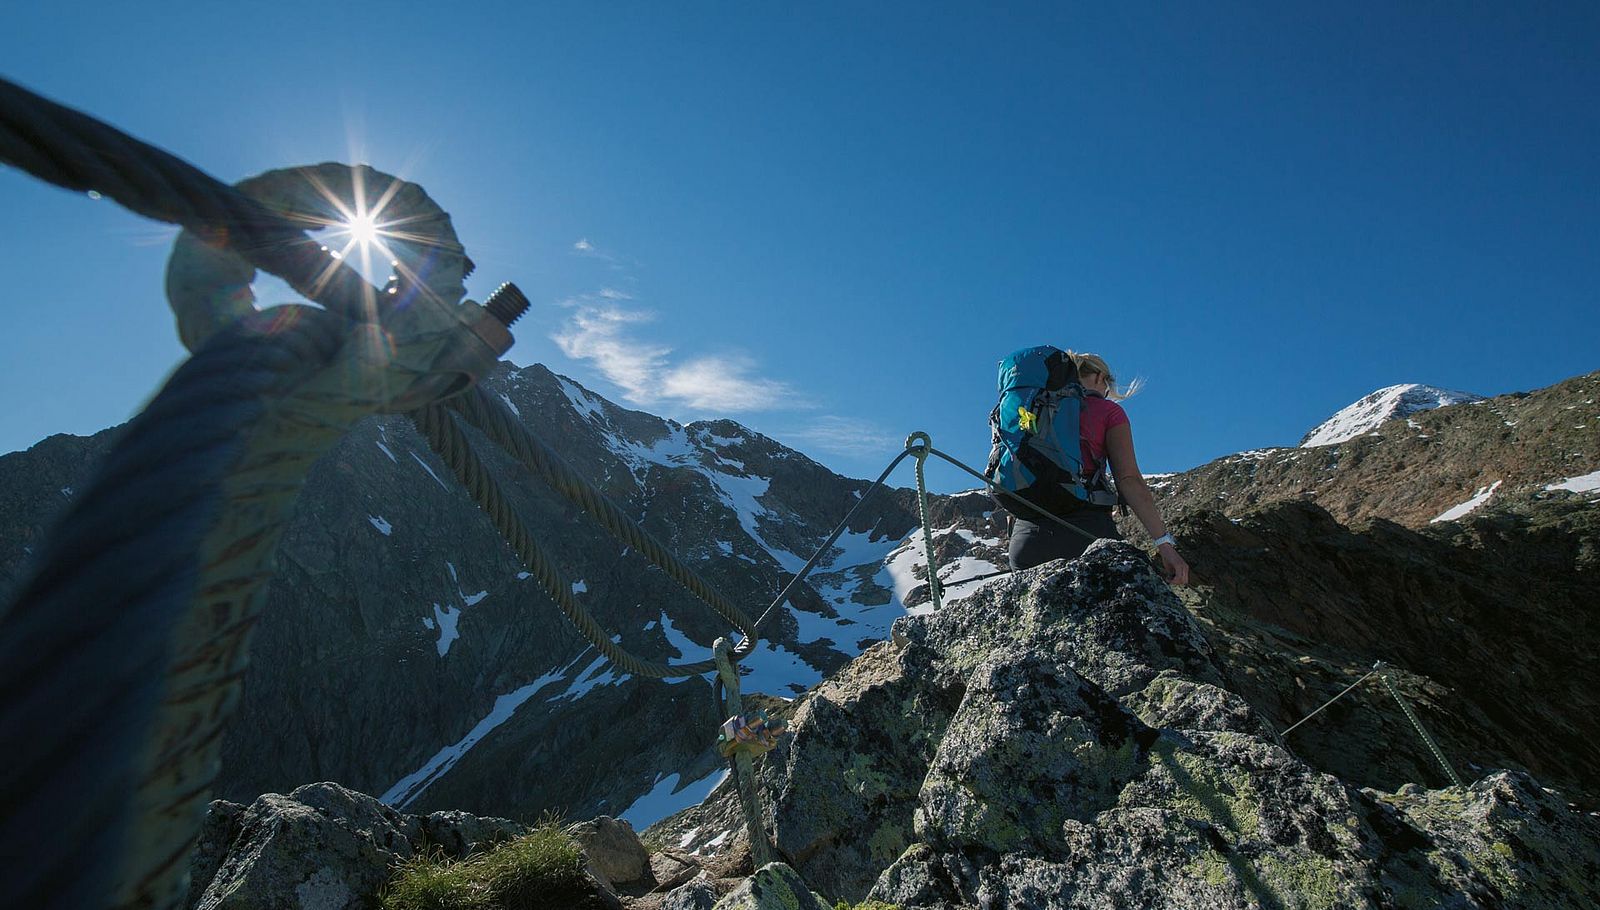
(1036, 543)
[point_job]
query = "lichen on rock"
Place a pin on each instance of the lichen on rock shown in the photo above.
(1082, 750)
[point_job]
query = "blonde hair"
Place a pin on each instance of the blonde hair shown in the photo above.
(1094, 363)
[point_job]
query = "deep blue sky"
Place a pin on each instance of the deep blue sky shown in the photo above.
(1265, 211)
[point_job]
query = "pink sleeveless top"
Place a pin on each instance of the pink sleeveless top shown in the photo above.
(1097, 416)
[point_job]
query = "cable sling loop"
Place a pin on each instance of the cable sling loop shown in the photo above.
(919, 444)
(743, 769)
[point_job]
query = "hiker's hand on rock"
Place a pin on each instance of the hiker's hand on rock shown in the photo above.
(1176, 570)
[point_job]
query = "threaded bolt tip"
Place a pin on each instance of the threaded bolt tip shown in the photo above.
(507, 304)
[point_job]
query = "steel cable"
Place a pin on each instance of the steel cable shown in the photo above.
(1348, 689)
(828, 544)
(439, 427)
(87, 645)
(74, 151)
(839, 529)
(495, 421)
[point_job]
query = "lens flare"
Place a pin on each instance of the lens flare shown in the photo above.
(363, 229)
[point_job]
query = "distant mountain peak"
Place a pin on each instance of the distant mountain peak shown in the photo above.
(1385, 404)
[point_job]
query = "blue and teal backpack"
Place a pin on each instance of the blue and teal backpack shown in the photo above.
(1036, 450)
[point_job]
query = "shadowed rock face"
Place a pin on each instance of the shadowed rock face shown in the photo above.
(1067, 738)
(1490, 621)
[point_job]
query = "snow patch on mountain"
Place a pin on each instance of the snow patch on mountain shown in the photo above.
(406, 790)
(1586, 483)
(587, 405)
(742, 494)
(446, 619)
(425, 467)
(382, 441)
(678, 641)
(668, 796)
(901, 566)
(958, 578)
(600, 672)
(1467, 508)
(674, 450)
(775, 670)
(1385, 404)
(707, 437)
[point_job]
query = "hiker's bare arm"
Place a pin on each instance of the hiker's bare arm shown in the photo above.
(1130, 481)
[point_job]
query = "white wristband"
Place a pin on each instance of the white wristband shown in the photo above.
(1165, 538)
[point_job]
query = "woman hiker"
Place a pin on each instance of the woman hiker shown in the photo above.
(1106, 434)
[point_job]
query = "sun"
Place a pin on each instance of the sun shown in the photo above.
(363, 229)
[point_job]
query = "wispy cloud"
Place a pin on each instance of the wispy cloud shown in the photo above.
(605, 333)
(836, 435)
(588, 249)
(601, 334)
(726, 384)
(607, 328)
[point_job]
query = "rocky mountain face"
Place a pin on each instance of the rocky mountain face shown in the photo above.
(1310, 565)
(405, 653)
(1088, 752)
(1489, 623)
(1073, 736)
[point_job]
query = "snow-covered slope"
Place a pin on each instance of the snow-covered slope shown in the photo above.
(1385, 404)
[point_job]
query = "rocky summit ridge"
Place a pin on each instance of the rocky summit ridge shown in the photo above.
(1067, 738)
(1517, 448)
(1389, 403)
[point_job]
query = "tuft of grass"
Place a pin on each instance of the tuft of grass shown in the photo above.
(539, 870)
(433, 882)
(543, 869)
